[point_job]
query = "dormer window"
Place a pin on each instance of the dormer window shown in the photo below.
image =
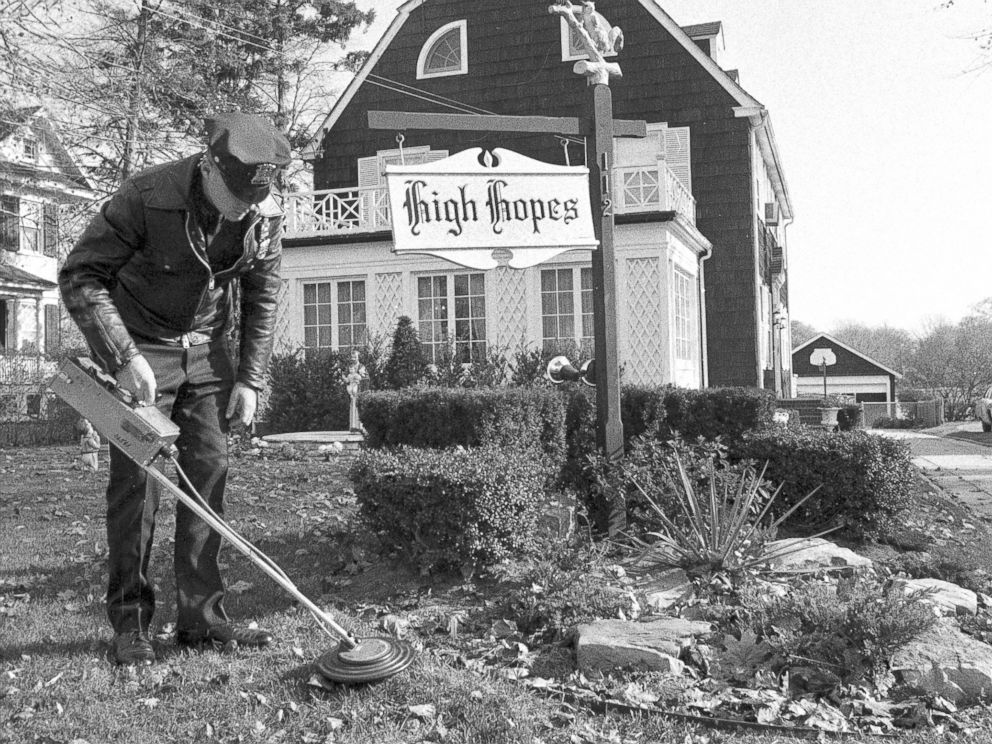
(30, 148)
(445, 53)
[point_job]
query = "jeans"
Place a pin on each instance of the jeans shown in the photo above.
(194, 386)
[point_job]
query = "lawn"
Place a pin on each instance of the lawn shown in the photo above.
(58, 685)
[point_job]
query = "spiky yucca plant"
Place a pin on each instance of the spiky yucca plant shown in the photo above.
(720, 531)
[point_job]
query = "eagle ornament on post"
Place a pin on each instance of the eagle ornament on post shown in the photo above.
(598, 37)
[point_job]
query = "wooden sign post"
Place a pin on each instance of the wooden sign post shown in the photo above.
(600, 128)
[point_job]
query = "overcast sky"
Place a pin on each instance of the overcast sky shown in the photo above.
(883, 115)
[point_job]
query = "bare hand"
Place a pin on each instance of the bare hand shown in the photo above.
(241, 408)
(137, 378)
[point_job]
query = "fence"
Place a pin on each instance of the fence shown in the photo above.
(927, 413)
(29, 414)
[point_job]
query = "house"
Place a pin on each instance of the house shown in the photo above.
(852, 374)
(701, 204)
(37, 176)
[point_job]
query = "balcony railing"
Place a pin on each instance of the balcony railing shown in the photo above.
(314, 214)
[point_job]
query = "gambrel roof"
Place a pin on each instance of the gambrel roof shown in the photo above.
(746, 105)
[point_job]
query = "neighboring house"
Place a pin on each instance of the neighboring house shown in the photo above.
(709, 168)
(854, 374)
(37, 175)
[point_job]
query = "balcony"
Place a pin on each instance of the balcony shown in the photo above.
(353, 211)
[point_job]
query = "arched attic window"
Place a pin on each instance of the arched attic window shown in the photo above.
(445, 52)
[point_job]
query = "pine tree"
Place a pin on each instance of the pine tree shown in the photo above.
(406, 364)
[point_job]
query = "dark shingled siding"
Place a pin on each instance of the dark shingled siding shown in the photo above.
(848, 364)
(515, 68)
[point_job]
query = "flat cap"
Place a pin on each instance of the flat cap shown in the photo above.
(249, 152)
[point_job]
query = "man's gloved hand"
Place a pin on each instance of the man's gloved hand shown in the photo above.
(241, 408)
(137, 378)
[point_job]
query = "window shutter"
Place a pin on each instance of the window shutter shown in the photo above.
(10, 222)
(51, 229)
(53, 334)
(368, 172)
(677, 154)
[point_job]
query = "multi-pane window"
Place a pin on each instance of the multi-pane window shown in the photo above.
(334, 315)
(32, 218)
(30, 148)
(684, 315)
(566, 308)
(466, 326)
(444, 53)
(10, 222)
(351, 315)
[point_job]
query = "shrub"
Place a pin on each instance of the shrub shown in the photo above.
(850, 417)
(726, 412)
(891, 422)
(452, 508)
(373, 355)
(491, 369)
(307, 391)
(842, 633)
(560, 588)
(406, 364)
(447, 417)
(864, 479)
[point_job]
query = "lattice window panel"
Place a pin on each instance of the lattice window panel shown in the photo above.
(283, 338)
(510, 308)
(645, 318)
(388, 302)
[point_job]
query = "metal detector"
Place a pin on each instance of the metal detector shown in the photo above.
(143, 434)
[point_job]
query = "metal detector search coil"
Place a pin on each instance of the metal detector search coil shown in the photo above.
(144, 433)
(371, 660)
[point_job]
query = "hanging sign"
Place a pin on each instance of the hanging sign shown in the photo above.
(477, 206)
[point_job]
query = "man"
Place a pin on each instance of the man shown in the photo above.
(152, 284)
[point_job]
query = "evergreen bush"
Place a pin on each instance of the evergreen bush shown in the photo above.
(407, 364)
(452, 508)
(307, 391)
(447, 417)
(863, 479)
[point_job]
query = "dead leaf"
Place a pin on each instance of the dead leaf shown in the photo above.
(424, 712)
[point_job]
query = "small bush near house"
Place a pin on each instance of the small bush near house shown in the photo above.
(850, 417)
(407, 364)
(449, 417)
(864, 479)
(307, 391)
(452, 508)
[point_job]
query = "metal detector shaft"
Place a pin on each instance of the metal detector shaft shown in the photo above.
(253, 554)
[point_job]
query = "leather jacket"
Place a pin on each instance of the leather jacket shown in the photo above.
(140, 272)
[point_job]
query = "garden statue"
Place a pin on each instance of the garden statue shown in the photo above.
(356, 373)
(89, 446)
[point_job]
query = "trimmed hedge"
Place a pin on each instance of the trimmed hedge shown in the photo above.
(864, 479)
(437, 418)
(728, 412)
(452, 508)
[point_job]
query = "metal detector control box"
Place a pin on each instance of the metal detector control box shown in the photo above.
(141, 431)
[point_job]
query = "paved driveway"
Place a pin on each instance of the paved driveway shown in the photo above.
(956, 457)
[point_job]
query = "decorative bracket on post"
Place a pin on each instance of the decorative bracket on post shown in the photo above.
(598, 38)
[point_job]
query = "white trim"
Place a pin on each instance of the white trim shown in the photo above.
(842, 345)
(428, 46)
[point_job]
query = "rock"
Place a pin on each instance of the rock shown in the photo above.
(950, 598)
(802, 552)
(609, 645)
(945, 661)
(668, 588)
